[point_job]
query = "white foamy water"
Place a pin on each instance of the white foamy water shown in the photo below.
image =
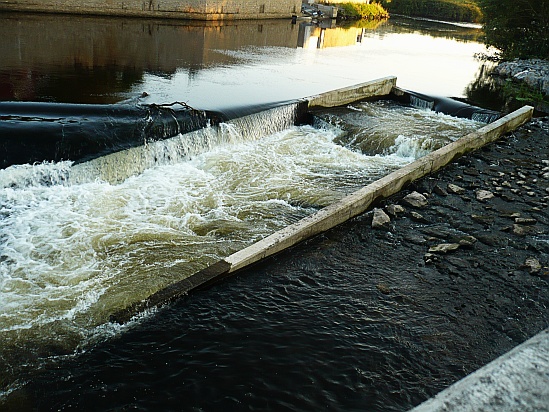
(73, 251)
(385, 129)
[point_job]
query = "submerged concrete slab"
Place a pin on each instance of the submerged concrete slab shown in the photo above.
(515, 382)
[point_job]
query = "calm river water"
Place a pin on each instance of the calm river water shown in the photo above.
(293, 338)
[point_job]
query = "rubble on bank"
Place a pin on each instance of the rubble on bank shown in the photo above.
(533, 73)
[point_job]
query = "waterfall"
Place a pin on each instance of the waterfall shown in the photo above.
(420, 103)
(117, 166)
(485, 117)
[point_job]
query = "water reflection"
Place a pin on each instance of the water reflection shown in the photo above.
(218, 64)
(94, 60)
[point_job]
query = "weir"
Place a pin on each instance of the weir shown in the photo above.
(100, 236)
(113, 142)
(446, 105)
(54, 132)
(350, 206)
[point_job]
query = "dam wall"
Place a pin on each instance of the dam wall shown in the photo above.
(189, 9)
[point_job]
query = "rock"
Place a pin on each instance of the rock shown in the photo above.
(471, 171)
(443, 231)
(525, 221)
(380, 219)
(383, 288)
(458, 262)
(455, 189)
(415, 199)
(430, 258)
(415, 239)
(440, 191)
(467, 241)
(418, 217)
(444, 248)
(532, 265)
(522, 230)
(394, 210)
(484, 195)
(490, 239)
(533, 72)
(485, 220)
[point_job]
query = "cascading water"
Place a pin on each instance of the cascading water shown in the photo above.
(373, 129)
(80, 242)
(420, 103)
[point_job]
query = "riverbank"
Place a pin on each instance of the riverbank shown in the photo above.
(446, 10)
(526, 80)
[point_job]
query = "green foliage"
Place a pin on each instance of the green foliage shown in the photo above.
(356, 11)
(519, 28)
(449, 10)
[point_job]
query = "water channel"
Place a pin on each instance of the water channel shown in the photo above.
(74, 251)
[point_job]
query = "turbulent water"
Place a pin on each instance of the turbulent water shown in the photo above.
(78, 242)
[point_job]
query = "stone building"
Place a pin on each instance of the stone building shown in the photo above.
(181, 9)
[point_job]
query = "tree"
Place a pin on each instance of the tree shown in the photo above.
(519, 28)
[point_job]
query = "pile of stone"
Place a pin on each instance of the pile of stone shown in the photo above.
(533, 72)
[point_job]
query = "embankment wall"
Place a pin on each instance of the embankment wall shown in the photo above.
(189, 9)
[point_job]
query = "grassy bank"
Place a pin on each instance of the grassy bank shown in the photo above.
(449, 10)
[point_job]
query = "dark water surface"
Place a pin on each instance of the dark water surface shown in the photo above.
(311, 329)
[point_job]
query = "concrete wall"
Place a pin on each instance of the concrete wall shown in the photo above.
(515, 382)
(182, 9)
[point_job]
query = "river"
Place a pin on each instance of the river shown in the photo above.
(75, 252)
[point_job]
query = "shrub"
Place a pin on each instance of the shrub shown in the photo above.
(357, 11)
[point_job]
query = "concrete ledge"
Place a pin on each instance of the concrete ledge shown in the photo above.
(515, 382)
(346, 95)
(335, 214)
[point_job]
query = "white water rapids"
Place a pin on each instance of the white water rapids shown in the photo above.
(75, 250)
